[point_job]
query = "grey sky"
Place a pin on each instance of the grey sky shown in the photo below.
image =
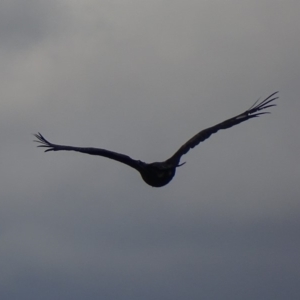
(140, 78)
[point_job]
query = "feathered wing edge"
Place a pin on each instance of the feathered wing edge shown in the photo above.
(44, 143)
(136, 164)
(262, 105)
(253, 112)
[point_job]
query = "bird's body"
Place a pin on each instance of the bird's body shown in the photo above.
(158, 174)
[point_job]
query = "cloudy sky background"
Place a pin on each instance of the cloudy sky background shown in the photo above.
(140, 78)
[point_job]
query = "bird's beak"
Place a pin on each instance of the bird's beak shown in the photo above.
(179, 165)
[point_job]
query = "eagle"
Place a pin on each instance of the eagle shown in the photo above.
(158, 174)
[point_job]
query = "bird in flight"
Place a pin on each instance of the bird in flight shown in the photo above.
(158, 174)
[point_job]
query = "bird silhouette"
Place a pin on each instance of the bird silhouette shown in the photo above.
(158, 174)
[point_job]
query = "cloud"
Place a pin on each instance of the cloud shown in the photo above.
(25, 24)
(141, 78)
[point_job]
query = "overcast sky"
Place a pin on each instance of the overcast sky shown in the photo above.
(141, 78)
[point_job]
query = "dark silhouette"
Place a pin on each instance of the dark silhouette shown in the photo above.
(158, 174)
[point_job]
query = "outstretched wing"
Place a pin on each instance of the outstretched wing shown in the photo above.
(92, 151)
(252, 112)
